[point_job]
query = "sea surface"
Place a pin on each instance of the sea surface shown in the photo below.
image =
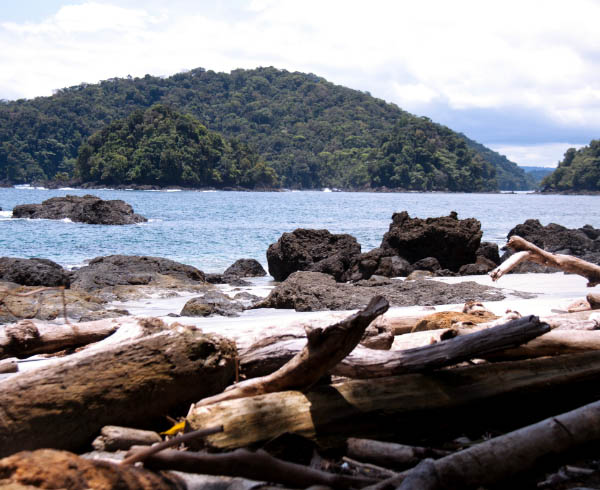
(210, 230)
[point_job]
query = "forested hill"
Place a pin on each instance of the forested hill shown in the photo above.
(509, 175)
(164, 147)
(311, 132)
(578, 172)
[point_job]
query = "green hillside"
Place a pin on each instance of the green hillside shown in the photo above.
(164, 147)
(311, 132)
(509, 175)
(578, 172)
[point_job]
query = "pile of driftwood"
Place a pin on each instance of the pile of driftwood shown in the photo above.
(327, 410)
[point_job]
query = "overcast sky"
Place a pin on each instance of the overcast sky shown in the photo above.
(522, 76)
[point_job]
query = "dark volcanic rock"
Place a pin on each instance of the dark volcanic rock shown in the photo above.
(427, 264)
(451, 241)
(490, 251)
(212, 303)
(312, 291)
(33, 272)
(245, 268)
(87, 209)
(558, 239)
(114, 270)
(312, 250)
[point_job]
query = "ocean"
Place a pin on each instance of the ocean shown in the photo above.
(211, 229)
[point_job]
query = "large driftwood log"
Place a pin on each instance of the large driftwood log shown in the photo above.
(64, 404)
(257, 465)
(25, 338)
(462, 348)
(370, 363)
(533, 253)
(323, 350)
(497, 459)
(363, 408)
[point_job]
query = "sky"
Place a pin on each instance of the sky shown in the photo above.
(520, 76)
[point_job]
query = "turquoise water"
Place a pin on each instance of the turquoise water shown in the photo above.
(210, 230)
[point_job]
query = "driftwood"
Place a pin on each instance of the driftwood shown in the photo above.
(64, 404)
(390, 455)
(257, 465)
(556, 342)
(440, 354)
(370, 363)
(363, 408)
(25, 338)
(114, 438)
(324, 349)
(528, 251)
(9, 365)
(497, 459)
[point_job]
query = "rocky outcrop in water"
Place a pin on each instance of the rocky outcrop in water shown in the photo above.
(312, 250)
(86, 209)
(313, 291)
(245, 268)
(33, 272)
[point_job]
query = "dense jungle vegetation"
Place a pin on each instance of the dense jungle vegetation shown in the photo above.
(578, 171)
(162, 146)
(310, 132)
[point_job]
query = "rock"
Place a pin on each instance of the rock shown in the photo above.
(451, 241)
(312, 250)
(490, 251)
(480, 267)
(87, 209)
(418, 274)
(245, 268)
(114, 270)
(214, 278)
(212, 303)
(33, 272)
(427, 264)
(394, 267)
(583, 242)
(313, 291)
(49, 468)
(48, 305)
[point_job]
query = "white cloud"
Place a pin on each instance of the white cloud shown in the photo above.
(542, 155)
(538, 57)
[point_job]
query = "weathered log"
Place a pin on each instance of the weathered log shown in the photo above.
(503, 457)
(390, 455)
(594, 300)
(370, 363)
(49, 468)
(363, 408)
(114, 438)
(399, 325)
(553, 343)
(64, 404)
(25, 338)
(9, 365)
(324, 349)
(531, 252)
(257, 465)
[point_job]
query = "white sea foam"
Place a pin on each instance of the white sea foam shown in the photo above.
(67, 220)
(173, 190)
(5, 214)
(29, 187)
